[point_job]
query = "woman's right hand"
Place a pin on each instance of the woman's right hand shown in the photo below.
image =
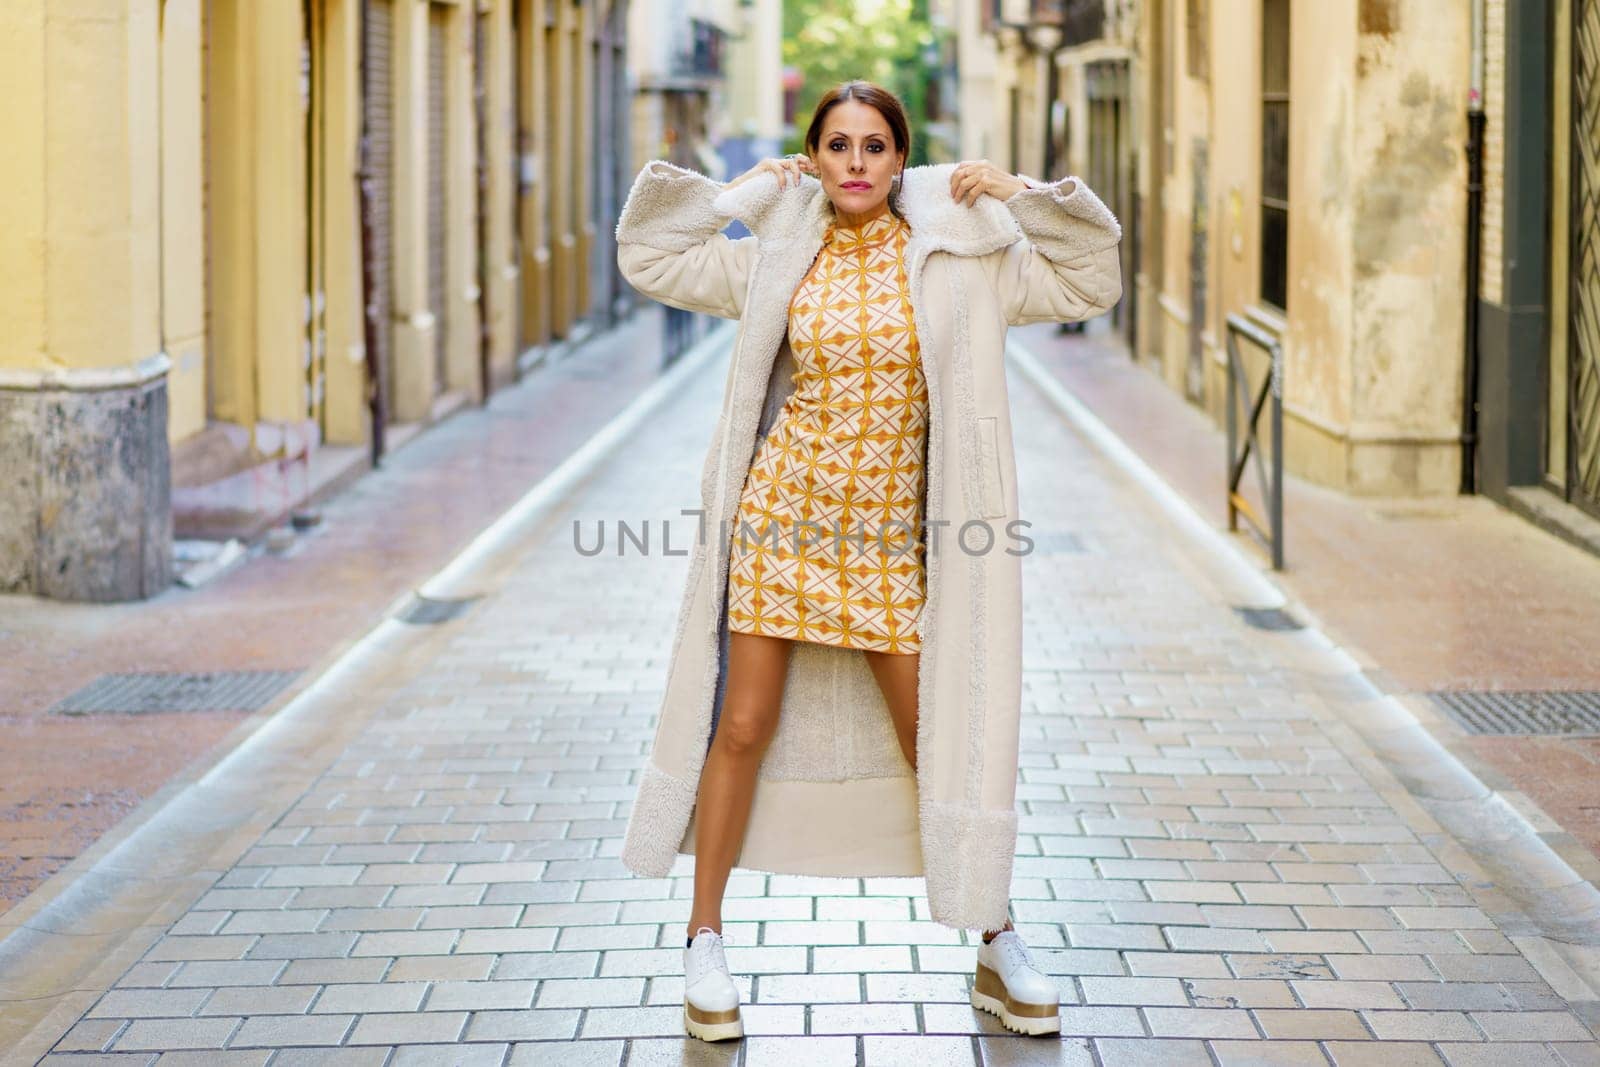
(787, 168)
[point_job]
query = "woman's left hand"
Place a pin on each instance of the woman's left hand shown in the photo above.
(975, 177)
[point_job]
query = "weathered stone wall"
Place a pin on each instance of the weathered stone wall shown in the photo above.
(85, 497)
(1377, 193)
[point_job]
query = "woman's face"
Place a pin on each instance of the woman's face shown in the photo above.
(856, 158)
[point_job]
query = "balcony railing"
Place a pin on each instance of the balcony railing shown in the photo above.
(700, 56)
(1081, 21)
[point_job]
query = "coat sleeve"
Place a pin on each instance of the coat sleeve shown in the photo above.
(1066, 267)
(670, 246)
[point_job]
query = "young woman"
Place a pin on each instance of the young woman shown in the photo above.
(844, 693)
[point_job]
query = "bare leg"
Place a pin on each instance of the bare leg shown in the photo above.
(897, 679)
(757, 667)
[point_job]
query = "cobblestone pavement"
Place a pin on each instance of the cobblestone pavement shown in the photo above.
(67, 779)
(1210, 863)
(1402, 581)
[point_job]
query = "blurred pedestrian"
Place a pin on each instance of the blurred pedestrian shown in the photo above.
(851, 706)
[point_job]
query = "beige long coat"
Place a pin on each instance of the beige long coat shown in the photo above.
(835, 795)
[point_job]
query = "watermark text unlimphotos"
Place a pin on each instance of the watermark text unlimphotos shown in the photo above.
(975, 537)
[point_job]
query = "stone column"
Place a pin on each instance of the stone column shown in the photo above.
(85, 511)
(415, 376)
(501, 273)
(348, 417)
(464, 287)
(1408, 177)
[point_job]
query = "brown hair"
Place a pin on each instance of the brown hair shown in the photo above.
(873, 95)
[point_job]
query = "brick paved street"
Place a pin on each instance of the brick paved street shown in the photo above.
(1401, 581)
(65, 780)
(1211, 862)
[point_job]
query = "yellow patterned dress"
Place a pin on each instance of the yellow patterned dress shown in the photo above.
(827, 543)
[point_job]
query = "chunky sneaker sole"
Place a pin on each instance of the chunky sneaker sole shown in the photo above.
(989, 994)
(712, 1025)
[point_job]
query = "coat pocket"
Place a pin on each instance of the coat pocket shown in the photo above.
(992, 496)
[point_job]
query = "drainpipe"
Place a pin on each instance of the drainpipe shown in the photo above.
(1476, 121)
(1052, 90)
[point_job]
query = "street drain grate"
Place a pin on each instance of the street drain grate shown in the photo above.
(1547, 713)
(137, 694)
(1275, 619)
(430, 611)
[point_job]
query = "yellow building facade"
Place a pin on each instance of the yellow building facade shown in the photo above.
(707, 83)
(1046, 88)
(187, 247)
(1295, 162)
(1309, 167)
(1303, 166)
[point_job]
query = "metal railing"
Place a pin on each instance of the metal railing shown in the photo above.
(700, 52)
(1242, 450)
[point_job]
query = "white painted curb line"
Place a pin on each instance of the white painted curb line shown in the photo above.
(194, 825)
(466, 574)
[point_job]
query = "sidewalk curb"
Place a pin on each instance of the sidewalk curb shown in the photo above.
(74, 936)
(1550, 911)
(476, 566)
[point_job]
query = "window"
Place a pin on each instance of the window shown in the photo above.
(1275, 153)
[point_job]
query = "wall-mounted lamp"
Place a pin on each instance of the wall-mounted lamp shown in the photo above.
(1041, 35)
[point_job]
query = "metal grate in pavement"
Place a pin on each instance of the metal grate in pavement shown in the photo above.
(136, 694)
(1275, 619)
(1559, 713)
(430, 611)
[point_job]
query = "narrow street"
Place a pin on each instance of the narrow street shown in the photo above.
(421, 867)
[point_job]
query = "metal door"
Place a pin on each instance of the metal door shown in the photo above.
(438, 186)
(1111, 161)
(378, 94)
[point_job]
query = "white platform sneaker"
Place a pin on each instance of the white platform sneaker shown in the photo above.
(1010, 986)
(710, 997)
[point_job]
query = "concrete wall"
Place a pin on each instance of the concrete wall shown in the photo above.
(1373, 329)
(984, 89)
(1408, 248)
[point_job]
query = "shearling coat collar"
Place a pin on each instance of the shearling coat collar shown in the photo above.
(835, 796)
(937, 219)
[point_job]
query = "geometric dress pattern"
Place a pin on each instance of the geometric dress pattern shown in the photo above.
(828, 543)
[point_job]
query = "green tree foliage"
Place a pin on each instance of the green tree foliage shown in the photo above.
(884, 41)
